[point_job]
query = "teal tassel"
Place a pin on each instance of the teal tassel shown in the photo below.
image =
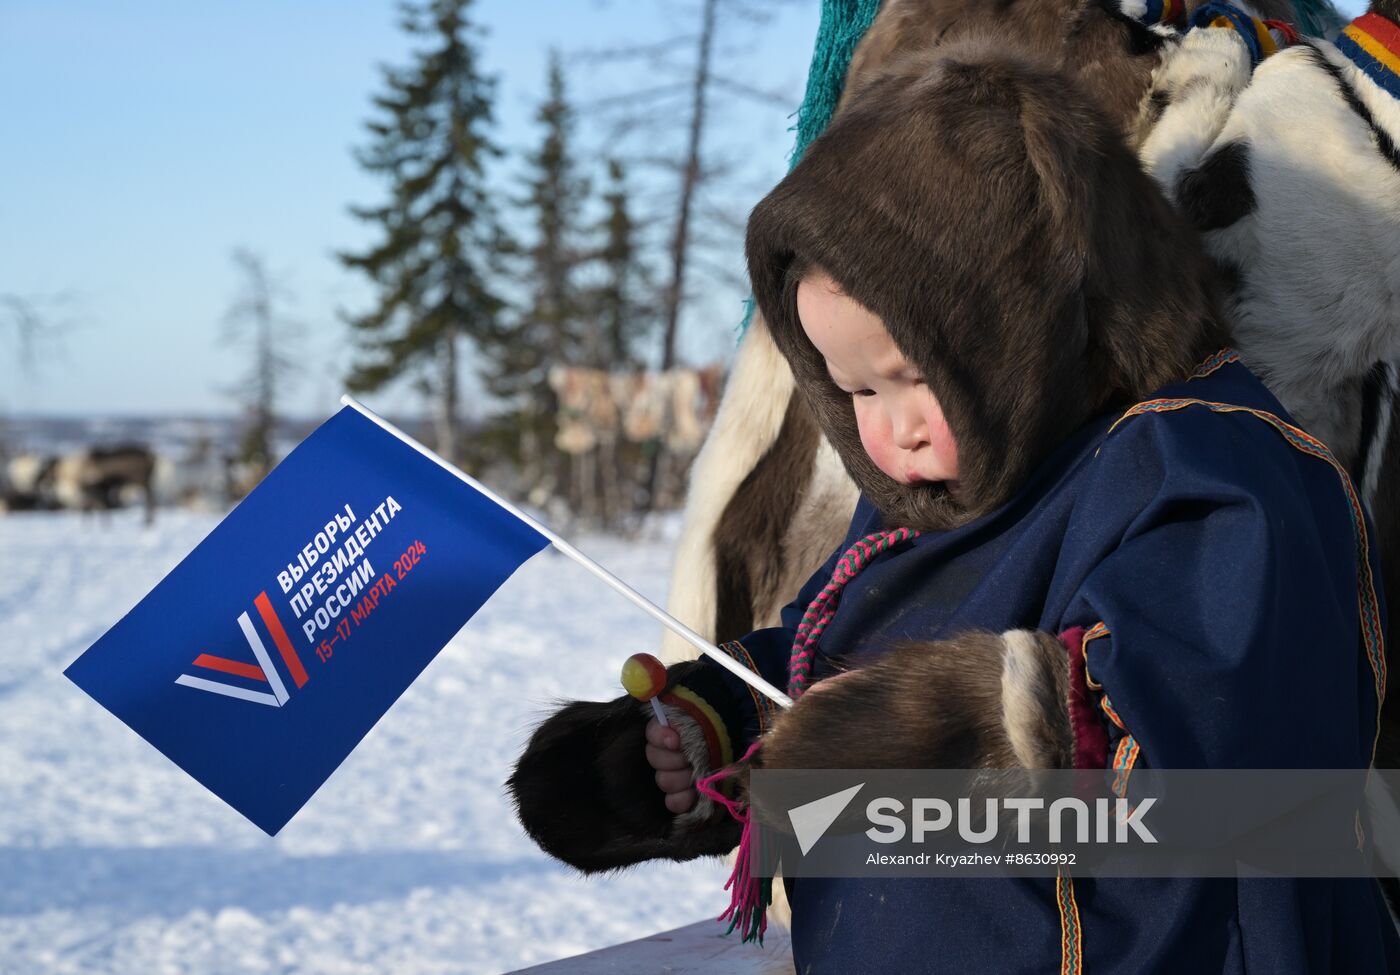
(843, 24)
(1318, 18)
(752, 920)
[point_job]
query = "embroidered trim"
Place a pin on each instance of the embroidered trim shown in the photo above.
(1371, 42)
(1071, 935)
(1124, 758)
(763, 707)
(1092, 633)
(1107, 706)
(1371, 633)
(1214, 362)
(716, 735)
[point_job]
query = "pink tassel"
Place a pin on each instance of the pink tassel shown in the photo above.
(750, 896)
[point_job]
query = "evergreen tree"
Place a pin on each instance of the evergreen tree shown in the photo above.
(623, 317)
(441, 239)
(552, 329)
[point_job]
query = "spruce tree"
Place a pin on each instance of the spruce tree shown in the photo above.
(623, 311)
(622, 314)
(551, 329)
(440, 239)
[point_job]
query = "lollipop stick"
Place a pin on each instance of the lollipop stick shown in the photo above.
(660, 714)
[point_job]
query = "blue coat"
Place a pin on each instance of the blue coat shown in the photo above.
(1211, 551)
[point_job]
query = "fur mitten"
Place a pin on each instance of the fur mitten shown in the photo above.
(585, 792)
(978, 700)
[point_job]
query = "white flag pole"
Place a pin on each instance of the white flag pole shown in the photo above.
(646, 605)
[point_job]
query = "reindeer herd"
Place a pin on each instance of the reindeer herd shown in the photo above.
(91, 479)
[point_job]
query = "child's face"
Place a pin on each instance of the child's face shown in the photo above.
(901, 424)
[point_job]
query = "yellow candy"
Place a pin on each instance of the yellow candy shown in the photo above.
(643, 676)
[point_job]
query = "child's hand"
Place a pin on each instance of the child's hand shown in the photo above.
(674, 776)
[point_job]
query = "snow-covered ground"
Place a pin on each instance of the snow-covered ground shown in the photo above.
(408, 860)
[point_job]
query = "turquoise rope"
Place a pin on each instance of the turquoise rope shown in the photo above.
(843, 24)
(1318, 18)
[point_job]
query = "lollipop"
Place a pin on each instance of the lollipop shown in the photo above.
(644, 677)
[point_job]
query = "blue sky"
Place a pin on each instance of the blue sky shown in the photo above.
(144, 140)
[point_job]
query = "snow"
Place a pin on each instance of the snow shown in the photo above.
(409, 859)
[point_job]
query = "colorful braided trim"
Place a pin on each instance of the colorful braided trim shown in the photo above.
(1099, 629)
(1255, 33)
(716, 735)
(1071, 933)
(1373, 44)
(763, 707)
(1214, 362)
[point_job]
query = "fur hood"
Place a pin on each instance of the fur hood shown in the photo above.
(989, 212)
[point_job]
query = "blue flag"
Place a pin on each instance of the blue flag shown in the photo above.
(261, 661)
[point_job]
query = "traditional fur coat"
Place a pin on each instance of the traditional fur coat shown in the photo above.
(1120, 576)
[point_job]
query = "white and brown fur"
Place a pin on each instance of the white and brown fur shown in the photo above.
(1299, 197)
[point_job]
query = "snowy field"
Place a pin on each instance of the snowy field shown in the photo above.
(408, 860)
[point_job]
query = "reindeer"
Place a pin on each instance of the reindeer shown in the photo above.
(95, 479)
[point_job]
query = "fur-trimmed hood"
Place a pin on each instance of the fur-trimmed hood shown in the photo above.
(990, 214)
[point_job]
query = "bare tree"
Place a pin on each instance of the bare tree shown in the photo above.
(654, 107)
(255, 322)
(35, 326)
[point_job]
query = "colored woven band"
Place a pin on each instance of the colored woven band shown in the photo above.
(1372, 43)
(823, 608)
(1254, 33)
(717, 743)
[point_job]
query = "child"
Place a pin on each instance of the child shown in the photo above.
(1087, 536)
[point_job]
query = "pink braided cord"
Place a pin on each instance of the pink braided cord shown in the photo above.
(747, 904)
(823, 608)
(749, 896)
